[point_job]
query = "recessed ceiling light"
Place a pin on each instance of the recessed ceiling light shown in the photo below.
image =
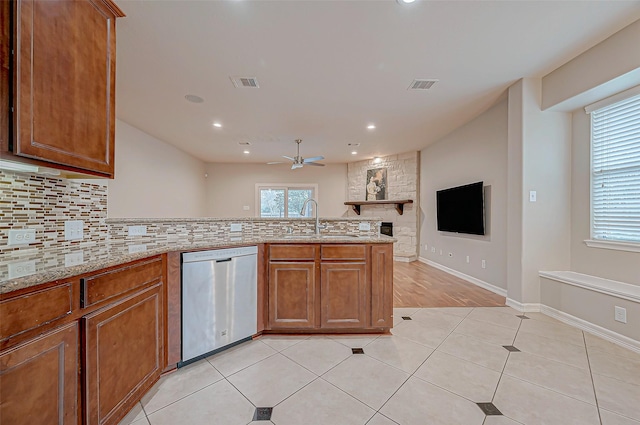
(377, 159)
(246, 152)
(193, 98)
(217, 124)
(354, 153)
(371, 126)
(405, 1)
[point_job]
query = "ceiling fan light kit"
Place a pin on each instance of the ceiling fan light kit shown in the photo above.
(298, 161)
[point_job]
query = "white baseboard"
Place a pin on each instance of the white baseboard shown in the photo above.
(471, 279)
(599, 331)
(523, 307)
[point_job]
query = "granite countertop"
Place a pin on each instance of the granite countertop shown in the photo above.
(36, 267)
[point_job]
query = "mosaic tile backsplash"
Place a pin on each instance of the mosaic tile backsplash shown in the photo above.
(44, 203)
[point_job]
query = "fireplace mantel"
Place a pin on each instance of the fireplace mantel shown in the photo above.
(399, 204)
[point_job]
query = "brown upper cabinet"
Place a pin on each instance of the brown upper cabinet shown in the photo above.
(62, 84)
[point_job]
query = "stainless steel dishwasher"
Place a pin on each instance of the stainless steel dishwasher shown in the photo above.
(219, 300)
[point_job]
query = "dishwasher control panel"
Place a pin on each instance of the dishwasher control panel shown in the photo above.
(218, 254)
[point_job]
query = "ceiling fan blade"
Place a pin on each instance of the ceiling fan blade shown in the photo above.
(275, 162)
(289, 158)
(315, 158)
(317, 164)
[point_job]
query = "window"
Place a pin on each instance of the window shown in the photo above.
(284, 200)
(615, 169)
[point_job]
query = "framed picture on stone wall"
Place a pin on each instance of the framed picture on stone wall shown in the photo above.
(376, 184)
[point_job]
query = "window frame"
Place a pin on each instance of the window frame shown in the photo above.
(614, 244)
(286, 187)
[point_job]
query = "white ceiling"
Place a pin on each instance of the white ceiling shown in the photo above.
(329, 68)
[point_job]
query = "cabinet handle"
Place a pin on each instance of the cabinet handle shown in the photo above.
(83, 285)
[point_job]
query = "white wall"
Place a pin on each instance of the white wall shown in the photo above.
(153, 178)
(230, 187)
(606, 263)
(477, 151)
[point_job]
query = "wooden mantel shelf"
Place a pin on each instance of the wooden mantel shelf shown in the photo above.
(399, 203)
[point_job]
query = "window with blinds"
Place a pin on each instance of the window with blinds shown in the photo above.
(615, 167)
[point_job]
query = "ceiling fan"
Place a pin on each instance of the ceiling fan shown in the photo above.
(298, 161)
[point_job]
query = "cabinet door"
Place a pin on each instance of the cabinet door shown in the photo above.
(123, 356)
(292, 288)
(343, 296)
(39, 379)
(65, 82)
(382, 286)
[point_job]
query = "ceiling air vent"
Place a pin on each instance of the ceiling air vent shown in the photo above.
(245, 82)
(244, 143)
(422, 84)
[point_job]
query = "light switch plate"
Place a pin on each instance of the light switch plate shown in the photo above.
(73, 230)
(137, 230)
(236, 227)
(246, 208)
(73, 259)
(137, 248)
(21, 236)
(532, 196)
(364, 226)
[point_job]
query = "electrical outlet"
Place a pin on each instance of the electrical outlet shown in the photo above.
(364, 226)
(236, 227)
(73, 259)
(533, 196)
(22, 236)
(245, 208)
(484, 264)
(137, 248)
(73, 230)
(467, 259)
(451, 254)
(137, 230)
(620, 314)
(24, 268)
(433, 249)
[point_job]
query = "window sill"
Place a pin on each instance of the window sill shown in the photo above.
(618, 246)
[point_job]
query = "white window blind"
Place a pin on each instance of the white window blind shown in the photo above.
(615, 165)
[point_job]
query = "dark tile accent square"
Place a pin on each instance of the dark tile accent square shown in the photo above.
(522, 316)
(511, 348)
(489, 409)
(406, 318)
(357, 351)
(263, 414)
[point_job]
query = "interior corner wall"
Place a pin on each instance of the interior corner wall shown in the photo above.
(474, 152)
(231, 187)
(547, 171)
(605, 263)
(154, 179)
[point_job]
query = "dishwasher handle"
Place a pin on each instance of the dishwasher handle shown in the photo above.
(224, 260)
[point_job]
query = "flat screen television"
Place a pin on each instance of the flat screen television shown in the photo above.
(461, 209)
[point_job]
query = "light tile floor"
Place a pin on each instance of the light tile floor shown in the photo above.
(432, 370)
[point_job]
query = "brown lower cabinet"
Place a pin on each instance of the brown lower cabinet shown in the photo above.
(123, 355)
(354, 290)
(39, 379)
(64, 364)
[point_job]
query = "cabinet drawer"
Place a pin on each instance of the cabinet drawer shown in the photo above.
(101, 287)
(35, 309)
(292, 252)
(344, 252)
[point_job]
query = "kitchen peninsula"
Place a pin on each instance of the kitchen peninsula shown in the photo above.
(106, 329)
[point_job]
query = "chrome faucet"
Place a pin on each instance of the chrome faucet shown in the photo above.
(318, 227)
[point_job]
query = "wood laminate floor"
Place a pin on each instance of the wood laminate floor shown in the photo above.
(419, 285)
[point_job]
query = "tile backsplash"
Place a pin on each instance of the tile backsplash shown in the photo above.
(44, 203)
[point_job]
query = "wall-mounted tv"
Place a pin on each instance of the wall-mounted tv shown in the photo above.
(461, 209)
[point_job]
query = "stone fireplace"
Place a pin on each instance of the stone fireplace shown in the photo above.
(402, 183)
